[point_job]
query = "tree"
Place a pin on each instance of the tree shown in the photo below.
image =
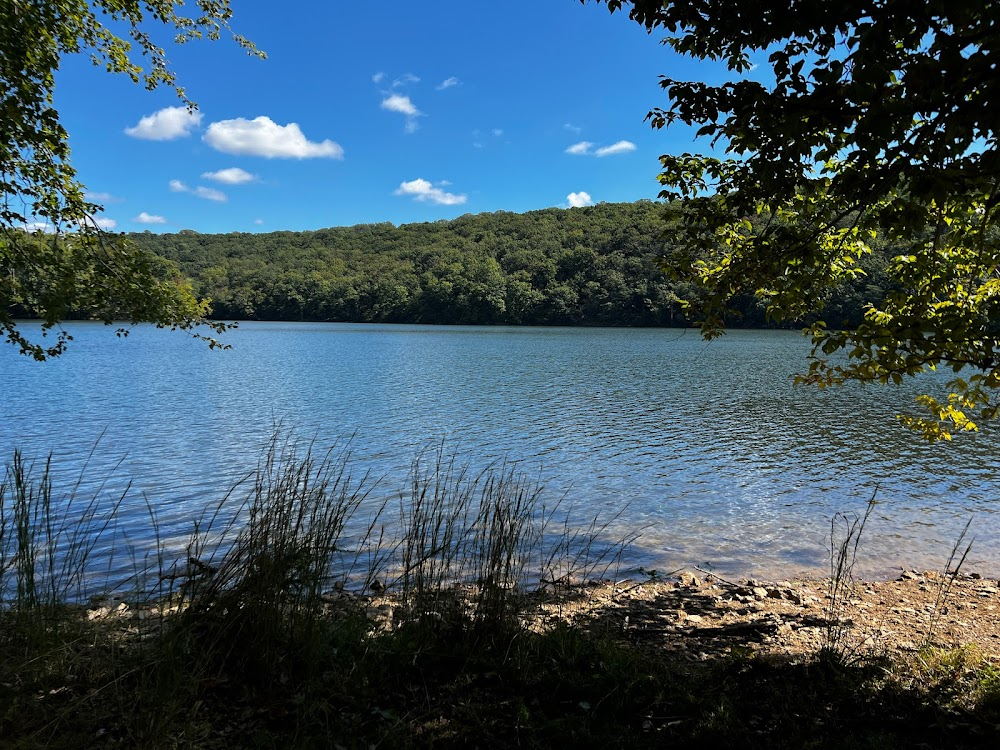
(877, 119)
(72, 267)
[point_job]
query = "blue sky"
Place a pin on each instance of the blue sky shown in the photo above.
(369, 112)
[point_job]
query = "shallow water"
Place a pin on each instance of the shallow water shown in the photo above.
(708, 448)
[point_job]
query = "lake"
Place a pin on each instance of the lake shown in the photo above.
(707, 448)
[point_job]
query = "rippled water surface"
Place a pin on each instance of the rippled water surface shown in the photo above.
(708, 447)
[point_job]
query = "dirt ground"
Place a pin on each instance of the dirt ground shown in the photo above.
(707, 617)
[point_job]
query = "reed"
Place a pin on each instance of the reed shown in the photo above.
(474, 544)
(255, 633)
(54, 549)
(251, 588)
(846, 532)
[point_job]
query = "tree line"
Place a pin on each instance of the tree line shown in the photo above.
(600, 265)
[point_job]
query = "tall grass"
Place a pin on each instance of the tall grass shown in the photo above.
(846, 531)
(273, 586)
(256, 572)
(255, 633)
(49, 543)
(493, 532)
(252, 590)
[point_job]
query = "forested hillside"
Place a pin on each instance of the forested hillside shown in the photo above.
(598, 265)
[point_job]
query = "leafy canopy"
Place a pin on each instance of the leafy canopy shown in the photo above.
(74, 268)
(877, 124)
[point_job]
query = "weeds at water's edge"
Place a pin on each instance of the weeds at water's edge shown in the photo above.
(952, 568)
(846, 531)
(267, 587)
(257, 633)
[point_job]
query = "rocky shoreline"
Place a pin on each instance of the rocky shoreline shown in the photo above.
(705, 616)
(687, 660)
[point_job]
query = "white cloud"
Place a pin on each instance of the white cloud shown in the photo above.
(405, 79)
(264, 137)
(422, 190)
(166, 125)
(622, 147)
(573, 128)
(447, 83)
(102, 222)
(378, 77)
(145, 218)
(586, 148)
(103, 197)
(209, 194)
(258, 222)
(497, 132)
(579, 200)
(230, 176)
(401, 104)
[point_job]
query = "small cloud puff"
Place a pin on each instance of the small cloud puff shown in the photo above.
(586, 148)
(401, 104)
(448, 83)
(145, 218)
(404, 106)
(264, 137)
(424, 191)
(209, 194)
(622, 147)
(230, 176)
(579, 200)
(404, 80)
(166, 125)
(101, 222)
(103, 197)
(105, 223)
